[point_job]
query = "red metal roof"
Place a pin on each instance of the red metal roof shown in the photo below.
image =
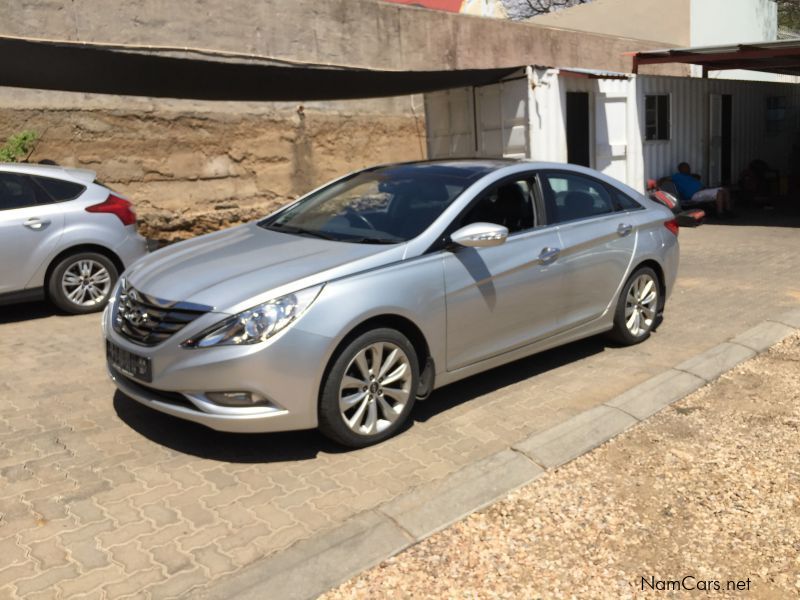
(781, 57)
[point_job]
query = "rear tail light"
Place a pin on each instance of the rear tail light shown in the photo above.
(672, 225)
(116, 206)
(664, 199)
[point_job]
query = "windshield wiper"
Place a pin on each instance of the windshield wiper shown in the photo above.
(373, 240)
(300, 231)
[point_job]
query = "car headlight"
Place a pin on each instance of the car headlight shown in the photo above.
(257, 324)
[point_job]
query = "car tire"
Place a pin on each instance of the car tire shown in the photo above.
(356, 407)
(638, 308)
(81, 283)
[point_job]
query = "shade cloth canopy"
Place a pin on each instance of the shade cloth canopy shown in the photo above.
(209, 75)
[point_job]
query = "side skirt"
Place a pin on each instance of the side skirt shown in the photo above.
(573, 335)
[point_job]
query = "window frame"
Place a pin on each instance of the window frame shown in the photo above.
(658, 139)
(609, 190)
(532, 177)
(40, 193)
(53, 200)
(775, 116)
(615, 190)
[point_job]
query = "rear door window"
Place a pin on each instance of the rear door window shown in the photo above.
(18, 191)
(59, 190)
(570, 196)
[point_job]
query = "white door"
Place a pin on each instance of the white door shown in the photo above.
(450, 122)
(611, 135)
(715, 140)
(502, 115)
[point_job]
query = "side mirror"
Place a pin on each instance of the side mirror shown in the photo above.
(480, 235)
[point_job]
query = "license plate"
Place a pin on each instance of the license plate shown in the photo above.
(128, 363)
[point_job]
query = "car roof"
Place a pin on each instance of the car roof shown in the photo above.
(510, 166)
(83, 176)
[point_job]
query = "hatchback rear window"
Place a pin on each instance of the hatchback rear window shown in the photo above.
(60, 190)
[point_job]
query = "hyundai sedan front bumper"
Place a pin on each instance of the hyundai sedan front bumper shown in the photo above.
(284, 373)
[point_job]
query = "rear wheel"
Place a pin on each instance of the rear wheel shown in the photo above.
(82, 283)
(370, 389)
(637, 308)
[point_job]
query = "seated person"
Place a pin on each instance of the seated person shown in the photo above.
(692, 191)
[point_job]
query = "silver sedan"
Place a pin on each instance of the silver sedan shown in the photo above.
(343, 308)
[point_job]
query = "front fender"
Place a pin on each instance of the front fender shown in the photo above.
(412, 289)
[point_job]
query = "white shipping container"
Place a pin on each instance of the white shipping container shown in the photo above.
(718, 126)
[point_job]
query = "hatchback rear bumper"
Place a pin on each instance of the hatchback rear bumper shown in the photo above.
(132, 247)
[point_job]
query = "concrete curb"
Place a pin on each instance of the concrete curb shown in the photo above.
(435, 505)
(313, 566)
(576, 436)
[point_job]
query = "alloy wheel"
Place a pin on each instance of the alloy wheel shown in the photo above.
(375, 388)
(86, 282)
(641, 304)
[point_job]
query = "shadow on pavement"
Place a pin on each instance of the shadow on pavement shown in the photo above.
(779, 214)
(15, 313)
(197, 440)
(485, 383)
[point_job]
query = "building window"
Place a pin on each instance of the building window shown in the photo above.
(656, 117)
(776, 113)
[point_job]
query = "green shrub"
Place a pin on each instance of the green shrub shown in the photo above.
(19, 146)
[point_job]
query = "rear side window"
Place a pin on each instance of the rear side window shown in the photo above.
(569, 197)
(623, 201)
(58, 190)
(18, 191)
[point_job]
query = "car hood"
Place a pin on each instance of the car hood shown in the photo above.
(249, 264)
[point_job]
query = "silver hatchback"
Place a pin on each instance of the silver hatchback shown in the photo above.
(63, 236)
(343, 308)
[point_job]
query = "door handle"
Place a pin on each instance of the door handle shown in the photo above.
(548, 255)
(624, 229)
(36, 223)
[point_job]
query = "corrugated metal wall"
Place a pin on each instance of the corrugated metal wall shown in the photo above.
(689, 119)
(547, 117)
(506, 110)
(689, 137)
(689, 140)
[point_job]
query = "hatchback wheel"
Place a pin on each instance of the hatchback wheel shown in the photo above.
(637, 308)
(370, 389)
(82, 283)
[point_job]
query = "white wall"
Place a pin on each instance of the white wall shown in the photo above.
(720, 22)
(717, 22)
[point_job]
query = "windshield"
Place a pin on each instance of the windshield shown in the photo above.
(386, 205)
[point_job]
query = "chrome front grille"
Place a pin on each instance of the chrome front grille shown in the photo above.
(147, 320)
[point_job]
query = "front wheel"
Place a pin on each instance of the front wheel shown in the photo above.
(370, 389)
(82, 283)
(637, 308)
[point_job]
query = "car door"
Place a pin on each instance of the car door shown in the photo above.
(503, 297)
(30, 226)
(597, 241)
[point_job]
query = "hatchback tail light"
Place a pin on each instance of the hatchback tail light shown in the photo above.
(116, 206)
(672, 225)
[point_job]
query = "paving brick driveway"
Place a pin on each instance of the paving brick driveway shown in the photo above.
(102, 497)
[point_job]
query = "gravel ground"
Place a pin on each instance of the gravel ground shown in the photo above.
(708, 488)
